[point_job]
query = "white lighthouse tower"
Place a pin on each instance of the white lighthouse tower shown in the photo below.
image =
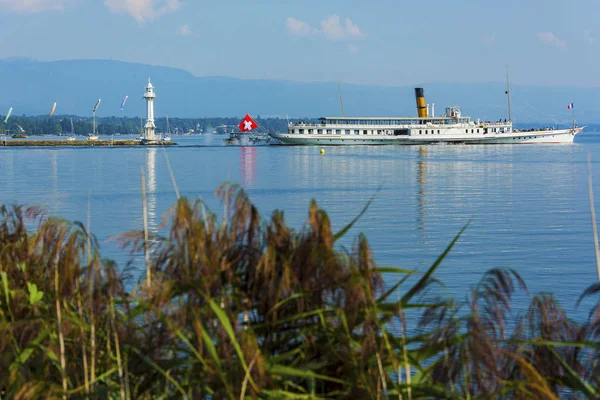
(149, 95)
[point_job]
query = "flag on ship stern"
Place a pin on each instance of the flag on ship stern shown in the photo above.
(247, 124)
(571, 105)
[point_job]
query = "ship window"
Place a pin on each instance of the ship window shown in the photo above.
(471, 130)
(338, 131)
(420, 132)
(477, 130)
(301, 131)
(466, 131)
(438, 131)
(329, 131)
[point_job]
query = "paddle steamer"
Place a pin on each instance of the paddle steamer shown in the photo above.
(450, 128)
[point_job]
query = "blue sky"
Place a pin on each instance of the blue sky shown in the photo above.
(376, 42)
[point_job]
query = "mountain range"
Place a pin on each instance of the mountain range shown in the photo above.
(31, 87)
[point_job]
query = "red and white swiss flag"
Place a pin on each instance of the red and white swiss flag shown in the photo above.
(248, 124)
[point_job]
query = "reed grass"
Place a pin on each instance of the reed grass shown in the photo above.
(246, 308)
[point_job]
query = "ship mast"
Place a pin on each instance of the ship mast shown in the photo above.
(508, 94)
(341, 102)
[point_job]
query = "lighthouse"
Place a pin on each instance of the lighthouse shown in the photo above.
(149, 96)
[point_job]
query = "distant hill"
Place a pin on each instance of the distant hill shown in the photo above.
(30, 87)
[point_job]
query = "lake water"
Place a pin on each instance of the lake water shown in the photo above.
(528, 204)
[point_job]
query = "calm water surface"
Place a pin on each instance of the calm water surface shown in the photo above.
(527, 204)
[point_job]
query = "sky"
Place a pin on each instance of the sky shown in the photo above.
(382, 42)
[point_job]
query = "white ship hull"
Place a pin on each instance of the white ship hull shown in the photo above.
(513, 137)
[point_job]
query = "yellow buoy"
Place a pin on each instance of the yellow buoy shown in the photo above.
(322, 151)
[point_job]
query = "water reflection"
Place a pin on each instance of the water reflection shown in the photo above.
(54, 172)
(247, 166)
(422, 188)
(151, 191)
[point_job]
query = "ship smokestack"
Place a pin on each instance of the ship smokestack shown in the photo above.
(421, 106)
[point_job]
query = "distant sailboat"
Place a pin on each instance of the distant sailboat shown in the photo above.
(141, 137)
(21, 134)
(167, 137)
(72, 135)
(94, 134)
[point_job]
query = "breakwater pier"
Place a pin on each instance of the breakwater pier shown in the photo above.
(80, 143)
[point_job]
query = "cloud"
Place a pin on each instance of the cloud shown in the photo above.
(31, 6)
(588, 37)
(184, 30)
(352, 48)
(334, 30)
(297, 27)
(550, 39)
(143, 10)
(331, 28)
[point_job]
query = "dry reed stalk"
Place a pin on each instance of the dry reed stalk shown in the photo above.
(146, 244)
(127, 387)
(247, 377)
(61, 339)
(92, 278)
(405, 356)
(382, 375)
(86, 381)
(171, 173)
(117, 346)
(592, 209)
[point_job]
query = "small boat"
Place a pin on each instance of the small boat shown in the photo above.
(167, 137)
(21, 134)
(71, 137)
(234, 138)
(141, 137)
(94, 134)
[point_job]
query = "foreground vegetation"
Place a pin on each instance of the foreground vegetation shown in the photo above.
(237, 307)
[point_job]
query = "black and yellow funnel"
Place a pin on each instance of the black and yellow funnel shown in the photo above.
(421, 106)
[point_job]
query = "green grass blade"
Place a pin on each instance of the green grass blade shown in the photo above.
(162, 371)
(575, 381)
(226, 324)
(355, 220)
(423, 281)
(301, 373)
